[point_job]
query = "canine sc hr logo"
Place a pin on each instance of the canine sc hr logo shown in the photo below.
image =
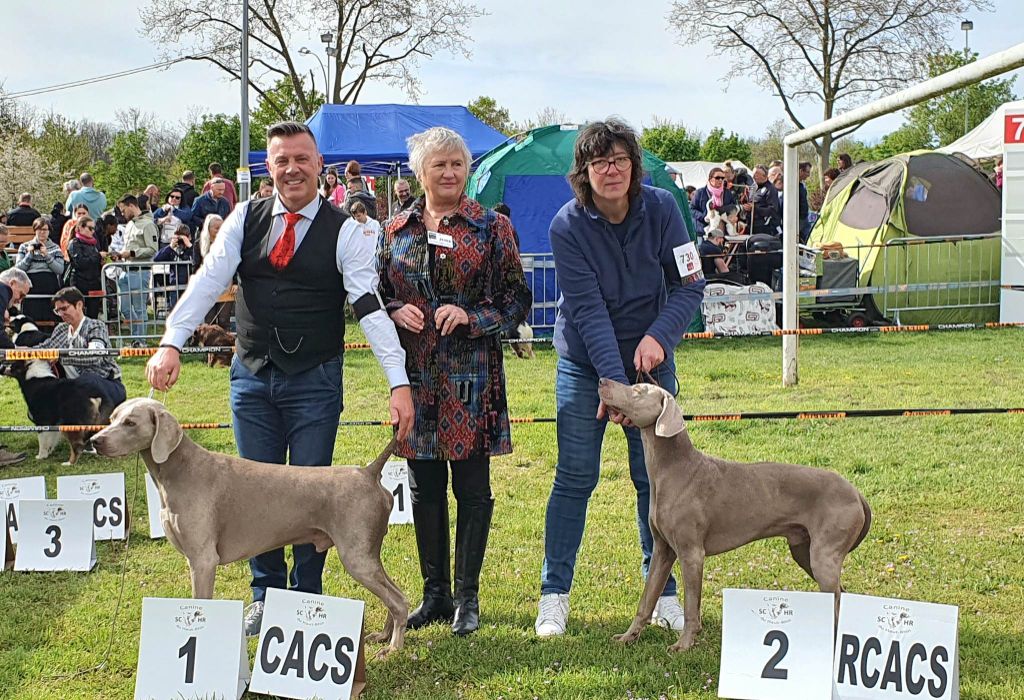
(55, 513)
(776, 645)
(309, 646)
(887, 648)
(89, 487)
(190, 618)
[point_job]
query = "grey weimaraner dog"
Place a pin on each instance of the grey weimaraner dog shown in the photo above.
(217, 508)
(702, 505)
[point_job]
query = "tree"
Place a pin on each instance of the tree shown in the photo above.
(281, 99)
(214, 139)
(941, 119)
(718, 147)
(62, 143)
(130, 168)
(769, 146)
(838, 53)
(670, 141)
(375, 40)
(486, 109)
(24, 169)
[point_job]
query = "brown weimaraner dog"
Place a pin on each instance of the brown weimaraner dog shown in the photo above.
(218, 508)
(702, 505)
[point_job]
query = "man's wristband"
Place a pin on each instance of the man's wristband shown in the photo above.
(168, 345)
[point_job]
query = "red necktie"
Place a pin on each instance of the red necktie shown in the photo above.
(284, 249)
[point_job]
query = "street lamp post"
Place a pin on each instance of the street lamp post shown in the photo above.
(966, 25)
(306, 52)
(331, 51)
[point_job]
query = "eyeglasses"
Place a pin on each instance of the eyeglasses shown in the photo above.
(175, 196)
(603, 165)
(718, 177)
(58, 310)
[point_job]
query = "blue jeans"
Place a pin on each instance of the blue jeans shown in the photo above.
(134, 284)
(281, 418)
(580, 436)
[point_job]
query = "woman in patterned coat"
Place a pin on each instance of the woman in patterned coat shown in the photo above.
(452, 280)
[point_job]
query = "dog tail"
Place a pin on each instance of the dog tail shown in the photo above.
(376, 467)
(867, 522)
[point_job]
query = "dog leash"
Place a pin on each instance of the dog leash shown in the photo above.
(124, 571)
(644, 374)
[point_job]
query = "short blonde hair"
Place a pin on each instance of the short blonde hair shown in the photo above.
(437, 139)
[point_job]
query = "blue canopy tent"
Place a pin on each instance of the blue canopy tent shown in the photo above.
(374, 135)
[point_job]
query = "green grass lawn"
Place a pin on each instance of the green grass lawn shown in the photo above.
(946, 494)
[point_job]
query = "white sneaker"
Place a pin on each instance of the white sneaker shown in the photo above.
(553, 615)
(668, 613)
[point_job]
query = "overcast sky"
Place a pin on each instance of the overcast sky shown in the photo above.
(587, 58)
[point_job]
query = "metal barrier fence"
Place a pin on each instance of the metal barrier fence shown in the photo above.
(539, 269)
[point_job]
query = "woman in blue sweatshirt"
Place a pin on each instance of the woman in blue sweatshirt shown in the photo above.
(631, 283)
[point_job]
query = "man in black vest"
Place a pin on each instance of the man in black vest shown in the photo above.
(297, 258)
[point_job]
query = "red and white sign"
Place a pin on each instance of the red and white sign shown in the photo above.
(1013, 128)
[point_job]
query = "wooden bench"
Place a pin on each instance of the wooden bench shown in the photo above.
(20, 234)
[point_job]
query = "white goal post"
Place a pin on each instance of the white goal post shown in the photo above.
(982, 69)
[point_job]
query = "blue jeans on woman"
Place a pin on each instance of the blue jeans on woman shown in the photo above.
(286, 418)
(580, 436)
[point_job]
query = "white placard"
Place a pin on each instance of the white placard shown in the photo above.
(243, 176)
(309, 646)
(153, 504)
(395, 478)
(776, 645)
(12, 491)
(8, 544)
(687, 260)
(106, 491)
(55, 536)
(896, 649)
(191, 649)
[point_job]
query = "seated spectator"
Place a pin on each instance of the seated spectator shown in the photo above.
(78, 331)
(714, 259)
(179, 253)
(6, 251)
(85, 262)
(23, 214)
(713, 194)
(41, 259)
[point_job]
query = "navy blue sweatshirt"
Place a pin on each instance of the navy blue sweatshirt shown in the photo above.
(620, 283)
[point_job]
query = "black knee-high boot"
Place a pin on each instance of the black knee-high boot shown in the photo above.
(473, 523)
(432, 541)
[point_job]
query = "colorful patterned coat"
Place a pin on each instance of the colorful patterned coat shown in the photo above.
(458, 381)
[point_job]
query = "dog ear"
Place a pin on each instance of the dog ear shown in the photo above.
(670, 422)
(167, 435)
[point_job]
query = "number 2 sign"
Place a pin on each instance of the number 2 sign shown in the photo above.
(776, 645)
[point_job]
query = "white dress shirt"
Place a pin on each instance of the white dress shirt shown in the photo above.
(356, 258)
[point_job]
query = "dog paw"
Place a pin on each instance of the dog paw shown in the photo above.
(378, 637)
(685, 643)
(384, 653)
(627, 637)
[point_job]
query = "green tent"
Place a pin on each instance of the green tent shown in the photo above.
(908, 199)
(529, 175)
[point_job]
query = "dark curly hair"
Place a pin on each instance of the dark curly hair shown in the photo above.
(597, 140)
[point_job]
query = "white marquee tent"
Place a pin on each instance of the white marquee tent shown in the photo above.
(695, 172)
(986, 139)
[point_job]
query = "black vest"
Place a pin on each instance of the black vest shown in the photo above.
(294, 318)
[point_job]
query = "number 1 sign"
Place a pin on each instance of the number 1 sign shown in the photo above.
(395, 478)
(776, 645)
(191, 649)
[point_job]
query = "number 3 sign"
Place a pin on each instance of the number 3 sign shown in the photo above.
(776, 645)
(55, 536)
